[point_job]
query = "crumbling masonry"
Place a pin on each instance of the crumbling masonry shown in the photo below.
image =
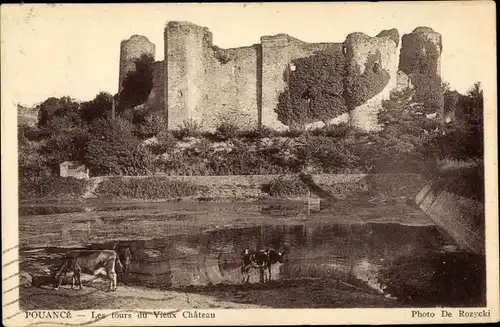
(201, 82)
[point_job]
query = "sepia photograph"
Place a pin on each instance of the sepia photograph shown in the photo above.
(171, 160)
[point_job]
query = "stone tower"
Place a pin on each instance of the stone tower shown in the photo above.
(421, 52)
(372, 73)
(130, 50)
(185, 78)
(420, 64)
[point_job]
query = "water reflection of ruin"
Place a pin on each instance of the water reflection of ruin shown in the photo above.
(315, 251)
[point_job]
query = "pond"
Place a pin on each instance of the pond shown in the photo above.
(375, 257)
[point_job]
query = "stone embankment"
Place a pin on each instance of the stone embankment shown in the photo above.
(461, 217)
(373, 187)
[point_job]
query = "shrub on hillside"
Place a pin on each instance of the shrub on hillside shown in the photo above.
(462, 179)
(61, 147)
(149, 188)
(280, 187)
(99, 107)
(226, 130)
(165, 143)
(33, 133)
(339, 131)
(189, 128)
(52, 188)
(183, 164)
(65, 109)
(332, 156)
(112, 149)
(151, 125)
(240, 161)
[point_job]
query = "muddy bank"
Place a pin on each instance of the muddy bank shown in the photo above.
(452, 279)
(125, 297)
(298, 293)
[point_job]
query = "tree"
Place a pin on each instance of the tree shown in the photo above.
(65, 109)
(69, 146)
(99, 107)
(113, 149)
(153, 123)
(475, 102)
(138, 84)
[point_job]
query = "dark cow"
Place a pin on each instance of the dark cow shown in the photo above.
(125, 255)
(273, 257)
(89, 262)
(252, 259)
(261, 260)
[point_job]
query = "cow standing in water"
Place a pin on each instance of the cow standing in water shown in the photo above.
(89, 262)
(125, 255)
(261, 260)
(273, 257)
(252, 259)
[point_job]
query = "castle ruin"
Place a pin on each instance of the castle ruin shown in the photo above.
(201, 82)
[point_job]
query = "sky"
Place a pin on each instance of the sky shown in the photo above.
(73, 50)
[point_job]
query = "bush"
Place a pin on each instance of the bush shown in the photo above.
(151, 125)
(149, 188)
(112, 149)
(65, 109)
(326, 153)
(465, 178)
(341, 130)
(285, 188)
(99, 107)
(52, 188)
(240, 161)
(189, 128)
(65, 146)
(226, 131)
(166, 143)
(258, 133)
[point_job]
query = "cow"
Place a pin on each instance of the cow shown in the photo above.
(262, 260)
(252, 259)
(125, 255)
(273, 257)
(89, 262)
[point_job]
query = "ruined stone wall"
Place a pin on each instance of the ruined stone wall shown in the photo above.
(232, 84)
(206, 84)
(201, 82)
(130, 50)
(278, 52)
